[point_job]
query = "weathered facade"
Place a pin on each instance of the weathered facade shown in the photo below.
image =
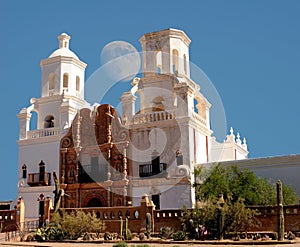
(93, 164)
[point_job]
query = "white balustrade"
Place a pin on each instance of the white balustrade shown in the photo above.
(33, 134)
(153, 117)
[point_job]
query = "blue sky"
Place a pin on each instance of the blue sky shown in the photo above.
(250, 50)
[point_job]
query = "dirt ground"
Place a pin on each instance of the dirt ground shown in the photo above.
(203, 244)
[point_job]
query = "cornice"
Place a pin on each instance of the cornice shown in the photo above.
(63, 59)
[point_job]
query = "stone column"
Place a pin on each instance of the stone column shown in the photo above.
(24, 118)
(128, 106)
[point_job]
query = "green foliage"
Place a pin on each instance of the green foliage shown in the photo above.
(166, 232)
(179, 236)
(235, 183)
(49, 233)
(238, 218)
(70, 226)
(206, 215)
(128, 235)
(120, 244)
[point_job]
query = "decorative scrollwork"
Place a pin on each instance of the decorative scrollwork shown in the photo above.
(66, 142)
(183, 171)
(123, 135)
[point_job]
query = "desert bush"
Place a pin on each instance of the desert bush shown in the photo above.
(179, 236)
(166, 232)
(70, 226)
(142, 236)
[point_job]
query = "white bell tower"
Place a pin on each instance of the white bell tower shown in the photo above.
(172, 126)
(62, 94)
(166, 52)
(63, 71)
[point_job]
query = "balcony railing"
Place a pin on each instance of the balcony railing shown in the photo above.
(33, 134)
(148, 170)
(39, 179)
(153, 117)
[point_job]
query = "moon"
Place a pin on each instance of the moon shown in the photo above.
(120, 61)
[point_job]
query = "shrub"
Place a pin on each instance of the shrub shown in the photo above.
(120, 244)
(179, 236)
(166, 232)
(142, 236)
(128, 235)
(70, 226)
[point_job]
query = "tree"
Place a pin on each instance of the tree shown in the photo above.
(235, 183)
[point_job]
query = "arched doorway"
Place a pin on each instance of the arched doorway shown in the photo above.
(94, 202)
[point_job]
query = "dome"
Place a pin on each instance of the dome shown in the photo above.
(64, 52)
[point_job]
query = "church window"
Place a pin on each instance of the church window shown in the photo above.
(77, 84)
(42, 171)
(175, 61)
(65, 81)
(185, 64)
(49, 122)
(155, 163)
(51, 82)
(24, 170)
(159, 62)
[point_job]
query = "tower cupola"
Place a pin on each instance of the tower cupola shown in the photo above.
(64, 40)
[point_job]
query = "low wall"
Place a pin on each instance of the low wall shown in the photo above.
(111, 216)
(172, 218)
(269, 218)
(8, 220)
(167, 218)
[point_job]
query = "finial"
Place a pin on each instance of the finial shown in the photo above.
(245, 144)
(64, 40)
(238, 139)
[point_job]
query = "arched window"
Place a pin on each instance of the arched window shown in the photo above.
(77, 84)
(66, 81)
(49, 122)
(175, 61)
(159, 62)
(24, 169)
(184, 64)
(51, 82)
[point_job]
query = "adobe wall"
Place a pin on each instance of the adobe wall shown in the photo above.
(172, 218)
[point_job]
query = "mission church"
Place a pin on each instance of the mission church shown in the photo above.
(104, 159)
